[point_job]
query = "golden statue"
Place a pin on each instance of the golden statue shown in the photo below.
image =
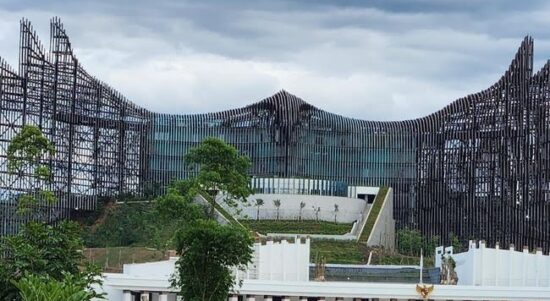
(424, 290)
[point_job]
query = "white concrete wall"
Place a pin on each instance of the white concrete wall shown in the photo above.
(278, 261)
(349, 209)
(502, 267)
(284, 261)
(349, 291)
(154, 269)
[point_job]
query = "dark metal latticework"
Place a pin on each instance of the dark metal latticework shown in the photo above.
(479, 168)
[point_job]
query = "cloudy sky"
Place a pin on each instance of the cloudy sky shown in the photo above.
(378, 60)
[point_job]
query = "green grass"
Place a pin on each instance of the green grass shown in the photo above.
(351, 252)
(344, 252)
(297, 227)
(374, 211)
(112, 259)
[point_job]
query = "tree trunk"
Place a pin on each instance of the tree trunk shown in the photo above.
(258, 214)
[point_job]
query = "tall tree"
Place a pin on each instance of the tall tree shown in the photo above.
(208, 253)
(26, 153)
(221, 169)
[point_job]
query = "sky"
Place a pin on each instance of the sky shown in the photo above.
(374, 60)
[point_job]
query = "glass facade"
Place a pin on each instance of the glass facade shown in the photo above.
(479, 168)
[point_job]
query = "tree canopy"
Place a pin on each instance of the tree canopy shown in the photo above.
(45, 288)
(25, 155)
(209, 252)
(221, 168)
(44, 251)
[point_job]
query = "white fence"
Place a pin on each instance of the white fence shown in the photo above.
(501, 267)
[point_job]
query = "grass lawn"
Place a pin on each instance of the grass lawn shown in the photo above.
(297, 227)
(346, 252)
(350, 252)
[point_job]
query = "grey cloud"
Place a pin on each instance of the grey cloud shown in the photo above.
(377, 60)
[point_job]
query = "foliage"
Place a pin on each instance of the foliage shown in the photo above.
(277, 204)
(208, 252)
(373, 214)
(27, 148)
(140, 223)
(335, 251)
(125, 224)
(178, 207)
(221, 168)
(411, 242)
(351, 252)
(45, 288)
(43, 250)
(24, 155)
(455, 243)
(297, 227)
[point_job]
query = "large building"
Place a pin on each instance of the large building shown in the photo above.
(479, 168)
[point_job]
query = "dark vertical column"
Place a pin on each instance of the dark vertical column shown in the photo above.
(72, 121)
(121, 151)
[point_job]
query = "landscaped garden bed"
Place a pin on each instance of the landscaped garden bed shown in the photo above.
(297, 227)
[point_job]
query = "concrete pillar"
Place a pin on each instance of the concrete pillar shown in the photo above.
(285, 298)
(233, 297)
(144, 296)
(163, 297)
(127, 296)
(250, 298)
(268, 298)
(303, 298)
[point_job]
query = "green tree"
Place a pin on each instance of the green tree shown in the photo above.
(43, 250)
(277, 204)
(178, 208)
(220, 169)
(258, 204)
(208, 253)
(411, 242)
(44, 288)
(25, 155)
(455, 242)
